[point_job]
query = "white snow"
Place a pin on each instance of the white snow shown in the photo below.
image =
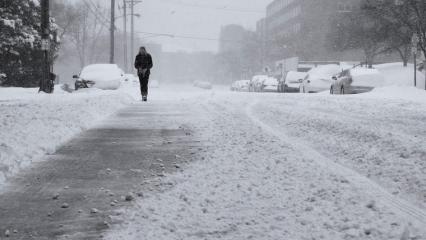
(293, 166)
(32, 124)
(367, 77)
(105, 76)
(272, 166)
(397, 74)
(321, 77)
(398, 92)
(8, 23)
(294, 77)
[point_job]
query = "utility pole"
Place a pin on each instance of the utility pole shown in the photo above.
(132, 25)
(414, 44)
(126, 66)
(46, 83)
(112, 30)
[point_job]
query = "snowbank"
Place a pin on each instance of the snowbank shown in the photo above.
(32, 125)
(398, 92)
(397, 74)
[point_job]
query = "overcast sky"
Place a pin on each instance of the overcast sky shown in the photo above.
(194, 18)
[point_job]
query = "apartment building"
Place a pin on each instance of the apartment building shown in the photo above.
(300, 27)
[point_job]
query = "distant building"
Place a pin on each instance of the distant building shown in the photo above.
(300, 28)
(231, 38)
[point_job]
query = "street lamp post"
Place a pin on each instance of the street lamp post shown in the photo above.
(46, 83)
(415, 43)
(112, 32)
(126, 67)
(132, 23)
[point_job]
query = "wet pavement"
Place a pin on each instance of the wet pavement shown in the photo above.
(76, 192)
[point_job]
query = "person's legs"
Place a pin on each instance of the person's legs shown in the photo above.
(144, 87)
(141, 83)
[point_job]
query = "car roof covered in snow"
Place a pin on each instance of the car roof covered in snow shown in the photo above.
(324, 71)
(293, 76)
(367, 77)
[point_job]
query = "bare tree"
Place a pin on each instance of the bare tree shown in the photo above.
(409, 15)
(358, 30)
(87, 30)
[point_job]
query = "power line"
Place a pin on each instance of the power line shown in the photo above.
(216, 8)
(186, 37)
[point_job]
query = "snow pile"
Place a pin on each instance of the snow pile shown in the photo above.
(397, 74)
(398, 92)
(32, 125)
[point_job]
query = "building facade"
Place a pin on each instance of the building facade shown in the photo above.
(299, 28)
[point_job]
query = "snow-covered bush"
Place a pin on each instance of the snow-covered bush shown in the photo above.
(20, 42)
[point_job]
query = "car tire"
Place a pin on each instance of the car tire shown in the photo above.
(342, 90)
(331, 90)
(76, 86)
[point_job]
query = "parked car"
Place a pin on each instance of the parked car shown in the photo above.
(240, 86)
(319, 79)
(257, 82)
(356, 80)
(270, 85)
(130, 78)
(203, 85)
(101, 76)
(291, 82)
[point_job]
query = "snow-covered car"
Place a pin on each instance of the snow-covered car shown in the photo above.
(130, 78)
(257, 82)
(234, 86)
(270, 85)
(101, 76)
(203, 85)
(240, 86)
(319, 79)
(291, 82)
(356, 80)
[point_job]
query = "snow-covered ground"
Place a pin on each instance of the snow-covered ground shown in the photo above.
(32, 124)
(274, 166)
(295, 166)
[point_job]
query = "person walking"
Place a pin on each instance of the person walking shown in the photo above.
(143, 63)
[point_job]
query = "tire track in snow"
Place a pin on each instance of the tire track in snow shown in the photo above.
(411, 212)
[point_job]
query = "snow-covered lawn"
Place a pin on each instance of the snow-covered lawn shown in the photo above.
(32, 124)
(295, 166)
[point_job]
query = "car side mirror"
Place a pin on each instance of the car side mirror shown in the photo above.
(75, 76)
(334, 78)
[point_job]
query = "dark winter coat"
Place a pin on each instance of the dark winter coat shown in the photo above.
(143, 61)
